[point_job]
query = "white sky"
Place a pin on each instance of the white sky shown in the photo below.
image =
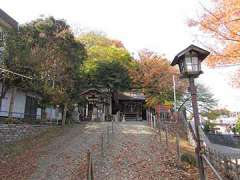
(159, 25)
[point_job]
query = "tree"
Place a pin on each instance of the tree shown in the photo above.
(236, 128)
(208, 126)
(46, 50)
(92, 39)
(206, 100)
(154, 75)
(107, 62)
(215, 113)
(222, 24)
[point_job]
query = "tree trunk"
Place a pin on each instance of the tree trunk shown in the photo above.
(43, 113)
(64, 114)
(11, 105)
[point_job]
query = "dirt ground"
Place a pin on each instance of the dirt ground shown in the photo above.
(132, 151)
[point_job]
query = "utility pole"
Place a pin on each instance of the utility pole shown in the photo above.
(175, 111)
(174, 94)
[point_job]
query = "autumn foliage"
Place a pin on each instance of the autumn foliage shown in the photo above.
(154, 75)
(222, 23)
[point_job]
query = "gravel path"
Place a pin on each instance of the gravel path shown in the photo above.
(61, 159)
(132, 151)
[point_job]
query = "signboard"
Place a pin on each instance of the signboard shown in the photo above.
(92, 98)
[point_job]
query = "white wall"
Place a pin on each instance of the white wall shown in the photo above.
(19, 104)
(53, 113)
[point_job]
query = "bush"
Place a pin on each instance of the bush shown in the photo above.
(208, 126)
(236, 128)
(12, 121)
(188, 158)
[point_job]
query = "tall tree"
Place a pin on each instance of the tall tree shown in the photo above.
(215, 113)
(107, 62)
(205, 98)
(221, 21)
(46, 50)
(153, 73)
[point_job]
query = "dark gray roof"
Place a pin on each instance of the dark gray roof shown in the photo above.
(8, 19)
(131, 96)
(94, 90)
(201, 52)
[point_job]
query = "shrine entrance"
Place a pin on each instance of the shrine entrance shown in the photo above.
(97, 106)
(132, 106)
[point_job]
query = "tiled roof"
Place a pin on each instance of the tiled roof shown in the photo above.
(131, 96)
(91, 90)
(8, 19)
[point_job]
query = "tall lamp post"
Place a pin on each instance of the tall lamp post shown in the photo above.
(189, 61)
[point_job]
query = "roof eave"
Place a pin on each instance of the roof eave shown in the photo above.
(12, 23)
(203, 53)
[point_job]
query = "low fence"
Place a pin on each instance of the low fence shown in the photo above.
(19, 118)
(104, 140)
(223, 158)
(219, 164)
(230, 167)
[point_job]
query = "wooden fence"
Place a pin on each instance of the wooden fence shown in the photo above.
(224, 161)
(223, 158)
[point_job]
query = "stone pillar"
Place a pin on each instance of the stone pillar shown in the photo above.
(123, 120)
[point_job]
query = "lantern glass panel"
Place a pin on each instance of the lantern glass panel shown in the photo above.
(188, 63)
(195, 64)
(181, 66)
(191, 62)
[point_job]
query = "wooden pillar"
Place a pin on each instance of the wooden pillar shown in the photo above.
(11, 103)
(87, 110)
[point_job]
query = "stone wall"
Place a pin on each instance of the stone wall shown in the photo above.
(12, 133)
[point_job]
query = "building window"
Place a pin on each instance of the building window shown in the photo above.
(2, 37)
(30, 107)
(164, 116)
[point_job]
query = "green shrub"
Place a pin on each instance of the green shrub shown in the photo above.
(188, 158)
(11, 121)
(208, 126)
(236, 129)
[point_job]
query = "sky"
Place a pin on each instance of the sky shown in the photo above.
(158, 25)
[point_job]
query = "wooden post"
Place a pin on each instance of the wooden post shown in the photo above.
(90, 167)
(112, 127)
(166, 133)
(226, 166)
(205, 169)
(237, 169)
(160, 135)
(108, 134)
(178, 147)
(11, 103)
(193, 91)
(64, 114)
(102, 147)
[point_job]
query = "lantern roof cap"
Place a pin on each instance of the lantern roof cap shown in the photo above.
(202, 54)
